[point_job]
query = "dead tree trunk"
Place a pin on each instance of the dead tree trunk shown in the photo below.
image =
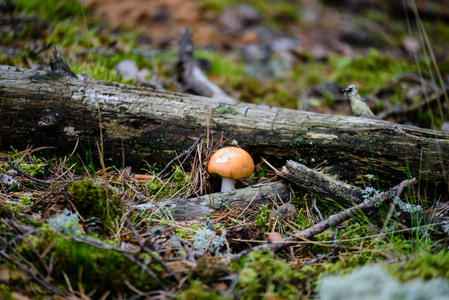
(47, 109)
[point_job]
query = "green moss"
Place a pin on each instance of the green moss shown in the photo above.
(233, 70)
(424, 265)
(428, 119)
(282, 12)
(5, 292)
(264, 276)
(369, 72)
(73, 33)
(94, 269)
(100, 67)
(264, 217)
(54, 10)
(94, 200)
(217, 6)
(197, 290)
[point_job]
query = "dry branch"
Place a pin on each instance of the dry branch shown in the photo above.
(333, 220)
(191, 77)
(327, 187)
(205, 206)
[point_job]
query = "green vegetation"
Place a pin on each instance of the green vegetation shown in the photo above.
(89, 268)
(51, 10)
(423, 264)
(263, 276)
(83, 235)
(282, 13)
(369, 72)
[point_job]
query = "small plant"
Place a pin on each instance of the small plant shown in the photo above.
(24, 203)
(26, 200)
(263, 218)
(34, 167)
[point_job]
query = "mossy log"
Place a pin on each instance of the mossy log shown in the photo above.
(50, 109)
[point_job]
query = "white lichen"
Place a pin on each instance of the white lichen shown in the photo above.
(205, 237)
(445, 226)
(369, 193)
(66, 223)
(411, 208)
(375, 283)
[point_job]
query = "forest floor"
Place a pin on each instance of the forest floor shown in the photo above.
(71, 227)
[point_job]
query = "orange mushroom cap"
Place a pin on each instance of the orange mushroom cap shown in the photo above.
(231, 162)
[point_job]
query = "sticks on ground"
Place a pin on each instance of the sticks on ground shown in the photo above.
(333, 220)
(347, 195)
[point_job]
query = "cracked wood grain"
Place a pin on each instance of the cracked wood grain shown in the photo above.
(142, 123)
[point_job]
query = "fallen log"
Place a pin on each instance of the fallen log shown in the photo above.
(207, 205)
(318, 183)
(63, 110)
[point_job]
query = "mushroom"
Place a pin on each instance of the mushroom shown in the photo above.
(231, 163)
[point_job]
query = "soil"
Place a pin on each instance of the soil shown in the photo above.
(320, 27)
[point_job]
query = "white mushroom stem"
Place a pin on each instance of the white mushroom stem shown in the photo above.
(227, 184)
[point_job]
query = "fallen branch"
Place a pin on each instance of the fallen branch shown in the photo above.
(333, 220)
(191, 77)
(328, 187)
(205, 206)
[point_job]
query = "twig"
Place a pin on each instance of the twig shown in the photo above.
(316, 208)
(333, 220)
(154, 293)
(144, 267)
(191, 255)
(143, 247)
(185, 152)
(43, 283)
(24, 174)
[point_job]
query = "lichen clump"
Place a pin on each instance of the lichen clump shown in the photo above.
(374, 282)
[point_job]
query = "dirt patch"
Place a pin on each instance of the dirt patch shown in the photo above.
(161, 19)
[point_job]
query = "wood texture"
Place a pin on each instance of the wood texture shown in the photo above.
(326, 187)
(207, 205)
(42, 109)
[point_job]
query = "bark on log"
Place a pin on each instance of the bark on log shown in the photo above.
(207, 205)
(41, 109)
(326, 187)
